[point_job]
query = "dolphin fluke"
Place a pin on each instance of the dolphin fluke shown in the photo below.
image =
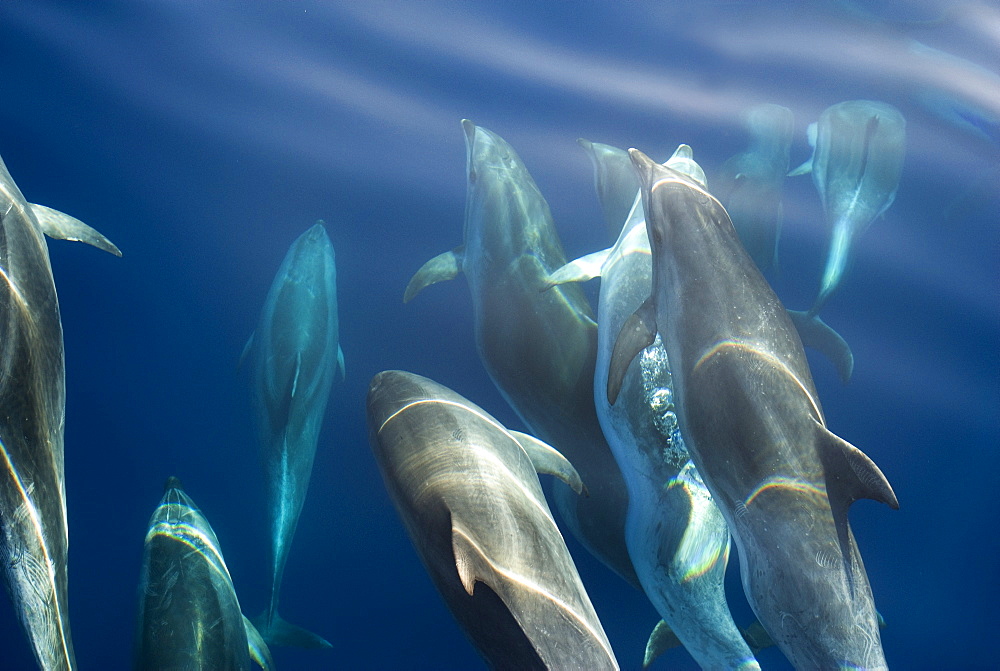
(817, 334)
(281, 632)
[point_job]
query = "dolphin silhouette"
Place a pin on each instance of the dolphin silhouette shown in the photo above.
(538, 347)
(295, 351)
(467, 491)
(750, 183)
(33, 529)
(189, 616)
(858, 149)
(752, 421)
(615, 182)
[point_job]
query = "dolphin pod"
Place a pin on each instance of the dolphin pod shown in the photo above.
(539, 348)
(749, 184)
(676, 536)
(467, 491)
(33, 530)
(295, 352)
(189, 616)
(857, 161)
(751, 419)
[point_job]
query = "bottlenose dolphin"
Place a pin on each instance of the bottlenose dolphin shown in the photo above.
(467, 491)
(751, 419)
(676, 536)
(615, 182)
(189, 616)
(539, 348)
(857, 160)
(749, 184)
(33, 530)
(295, 352)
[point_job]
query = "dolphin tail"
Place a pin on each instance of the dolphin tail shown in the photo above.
(442, 267)
(815, 333)
(660, 640)
(276, 631)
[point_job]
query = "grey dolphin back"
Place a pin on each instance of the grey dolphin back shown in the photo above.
(295, 354)
(470, 499)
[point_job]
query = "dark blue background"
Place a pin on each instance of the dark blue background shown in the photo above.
(203, 138)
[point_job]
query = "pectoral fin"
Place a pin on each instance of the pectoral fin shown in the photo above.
(638, 333)
(442, 267)
(583, 269)
(61, 226)
(547, 459)
(803, 169)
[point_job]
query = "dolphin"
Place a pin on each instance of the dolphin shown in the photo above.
(467, 491)
(33, 529)
(615, 182)
(295, 353)
(957, 91)
(677, 538)
(189, 616)
(749, 184)
(857, 160)
(539, 348)
(752, 422)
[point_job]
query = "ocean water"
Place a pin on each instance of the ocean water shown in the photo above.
(202, 138)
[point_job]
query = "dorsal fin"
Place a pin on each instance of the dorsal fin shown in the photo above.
(547, 459)
(661, 639)
(442, 267)
(851, 474)
(638, 332)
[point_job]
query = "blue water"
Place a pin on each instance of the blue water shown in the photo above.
(202, 138)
